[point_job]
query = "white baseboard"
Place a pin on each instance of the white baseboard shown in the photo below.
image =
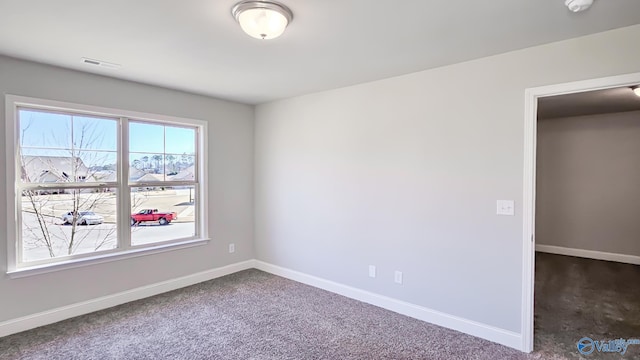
(590, 254)
(470, 327)
(66, 312)
(466, 326)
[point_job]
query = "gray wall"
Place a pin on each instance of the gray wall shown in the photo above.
(588, 183)
(404, 173)
(230, 187)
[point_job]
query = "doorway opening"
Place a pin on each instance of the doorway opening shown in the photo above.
(534, 97)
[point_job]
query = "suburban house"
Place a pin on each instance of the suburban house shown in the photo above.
(393, 153)
(53, 169)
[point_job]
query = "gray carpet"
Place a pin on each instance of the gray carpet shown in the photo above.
(250, 315)
(577, 297)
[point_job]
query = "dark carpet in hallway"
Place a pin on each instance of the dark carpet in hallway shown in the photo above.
(576, 298)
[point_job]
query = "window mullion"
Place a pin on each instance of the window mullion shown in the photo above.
(124, 190)
(74, 163)
(18, 228)
(66, 185)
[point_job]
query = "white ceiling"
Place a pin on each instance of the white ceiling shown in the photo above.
(605, 101)
(195, 45)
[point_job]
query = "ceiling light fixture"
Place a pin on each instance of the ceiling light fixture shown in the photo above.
(578, 5)
(636, 89)
(262, 19)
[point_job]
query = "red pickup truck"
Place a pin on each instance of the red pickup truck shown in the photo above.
(163, 218)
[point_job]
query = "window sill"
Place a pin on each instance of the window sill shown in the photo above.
(76, 263)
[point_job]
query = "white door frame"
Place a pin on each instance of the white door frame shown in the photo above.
(529, 193)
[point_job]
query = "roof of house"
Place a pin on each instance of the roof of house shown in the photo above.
(52, 168)
(185, 174)
(151, 177)
(135, 174)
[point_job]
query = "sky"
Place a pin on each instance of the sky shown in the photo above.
(51, 134)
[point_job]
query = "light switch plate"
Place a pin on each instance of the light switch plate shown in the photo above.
(505, 207)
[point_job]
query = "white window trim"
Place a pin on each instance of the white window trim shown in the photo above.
(14, 269)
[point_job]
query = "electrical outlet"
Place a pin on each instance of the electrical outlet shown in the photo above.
(232, 248)
(398, 277)
(372, 271)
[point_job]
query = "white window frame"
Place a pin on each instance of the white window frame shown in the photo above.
(124, 249)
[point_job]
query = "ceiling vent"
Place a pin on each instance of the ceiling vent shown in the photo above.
(101, 63)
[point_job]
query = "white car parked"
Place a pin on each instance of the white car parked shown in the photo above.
(84, 218)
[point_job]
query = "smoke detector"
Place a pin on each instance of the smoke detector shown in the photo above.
(578, 5)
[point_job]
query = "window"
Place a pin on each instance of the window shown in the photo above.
(163, 172)
(92, 182)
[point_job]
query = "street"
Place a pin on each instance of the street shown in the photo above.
(100, 237)
(90, 238)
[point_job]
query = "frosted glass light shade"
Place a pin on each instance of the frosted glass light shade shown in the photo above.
(262, 23)
(262, 19)
(636, 90)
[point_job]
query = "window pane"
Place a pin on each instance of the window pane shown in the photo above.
(146, 138)
(162, 214)
(180, 167)
(90, 133)
(101, 166)
(175, 159)
(48, 155)
(178, 170)
(44, 130)
(146, 167)
(62, 222)
(180, 140)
